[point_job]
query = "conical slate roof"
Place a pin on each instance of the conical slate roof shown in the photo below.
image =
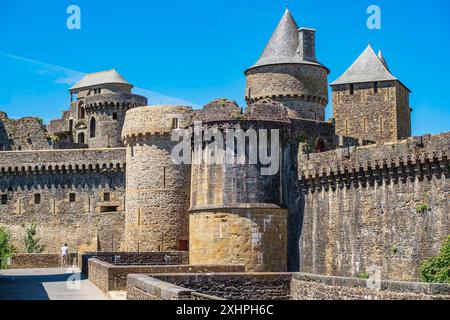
(367, 68)
(283, 46)
(98, 78)
(380, 55)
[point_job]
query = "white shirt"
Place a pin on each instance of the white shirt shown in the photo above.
(64, 251)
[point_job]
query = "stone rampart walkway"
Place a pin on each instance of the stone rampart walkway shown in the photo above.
(47, 284)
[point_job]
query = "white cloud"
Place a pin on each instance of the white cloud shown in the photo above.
(66, 76)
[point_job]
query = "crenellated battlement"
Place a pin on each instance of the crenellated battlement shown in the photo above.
(421, 157)
(121, 101)
(62, 161)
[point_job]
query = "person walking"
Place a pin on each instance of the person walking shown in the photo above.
(64, 256)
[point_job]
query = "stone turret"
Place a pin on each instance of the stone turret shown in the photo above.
(236, 214)
(370, 103)
(98, 114)
(157, 194)
(289, 72)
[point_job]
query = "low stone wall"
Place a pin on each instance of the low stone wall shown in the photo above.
(39, 260)
(316, 287)
(135, 258)
(234, 286)
(275, 286)
(107, 276)
(143, 287)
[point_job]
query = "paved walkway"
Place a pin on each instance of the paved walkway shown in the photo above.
(47, 284)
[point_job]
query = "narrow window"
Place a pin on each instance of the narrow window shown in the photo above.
(375, 87)
(81, 112)
(4, 199)
(106, 196)
(72, 197)
(37, 198)
(92, 128)
(99, 90)
(175, 123)
(164, 177)
(352, 89)
(114, 115)
(70, 125)
(81, 138)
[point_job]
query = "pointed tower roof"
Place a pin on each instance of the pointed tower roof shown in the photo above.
(367, 68)
(381, 57)
(98, 78)
(283, 46)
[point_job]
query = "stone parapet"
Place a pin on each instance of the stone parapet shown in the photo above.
(160, 120)
(119, 100)
(59, 161)
(421, 157)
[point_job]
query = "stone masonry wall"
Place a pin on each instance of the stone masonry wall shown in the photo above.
(316, 287)
(108, 276)
(22, 134)
(74, 196)
(157, 189)
(382, 117)
(39, 260)
(234, 286)
(303, 88)
(256, 238)
(383, 206)
(135, 258)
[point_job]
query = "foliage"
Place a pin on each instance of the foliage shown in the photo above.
(364, 276)
(394, 249)
(5, 247)
(31, 243)
(437, 269)
(422, 208)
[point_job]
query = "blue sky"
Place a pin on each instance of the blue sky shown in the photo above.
(195, 51)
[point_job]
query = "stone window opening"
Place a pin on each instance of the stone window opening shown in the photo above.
(375, 87)
(92, 127)
(352, 89)
(4, 199)
(72, 197)
(81, 138)
(99, 90)
(175, 123)
(81, 113)
(114, 115)
(37, 198)
(106, 197)
(70, 125)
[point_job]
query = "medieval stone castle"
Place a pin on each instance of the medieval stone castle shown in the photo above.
(352, 192)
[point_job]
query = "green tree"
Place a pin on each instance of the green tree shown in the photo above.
(5, 247)
(31, 243)
(437, 269)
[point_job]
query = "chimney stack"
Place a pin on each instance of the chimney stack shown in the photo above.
(307, 44)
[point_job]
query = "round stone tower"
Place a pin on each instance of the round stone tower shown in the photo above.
(157, 193)
(103, 98)
(236, 213)
(288, 72)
